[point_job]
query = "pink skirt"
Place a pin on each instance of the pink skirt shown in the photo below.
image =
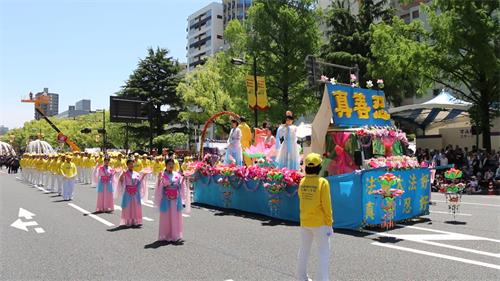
(132, 214)
(171, 224)
(105, 201)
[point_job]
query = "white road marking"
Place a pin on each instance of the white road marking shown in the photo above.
(148, 205)
(39, 230)
(23, 213)
(448, 213)
(424, 239)
(432, 254)
(42, 189)
(448, 232)
(118, 208)
(147, 219)
(469, 203)
(97, 218)
(3, 172)
(186, 215)
(19, 224)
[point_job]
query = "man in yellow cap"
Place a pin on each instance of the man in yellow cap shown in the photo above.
(316, 218)
(69, 172)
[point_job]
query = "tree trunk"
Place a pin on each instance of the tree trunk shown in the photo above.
(484, 111)
(159, 125)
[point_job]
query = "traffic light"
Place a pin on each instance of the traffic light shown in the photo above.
(85, 131)
(312, 69)
(101, 131)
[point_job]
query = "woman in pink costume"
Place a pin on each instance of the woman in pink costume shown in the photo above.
(130, 191)
(104, 181)
(169, 196)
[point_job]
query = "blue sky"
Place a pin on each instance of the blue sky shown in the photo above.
(81, 48)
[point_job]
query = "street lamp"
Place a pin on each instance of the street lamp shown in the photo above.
(237, 61)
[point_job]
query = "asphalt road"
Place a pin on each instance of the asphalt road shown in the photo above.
(223, 245)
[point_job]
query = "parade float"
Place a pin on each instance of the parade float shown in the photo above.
(353, 131)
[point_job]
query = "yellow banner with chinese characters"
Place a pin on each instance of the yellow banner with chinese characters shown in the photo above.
(262, 102)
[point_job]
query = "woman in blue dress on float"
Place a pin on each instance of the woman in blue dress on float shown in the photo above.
(288, 153)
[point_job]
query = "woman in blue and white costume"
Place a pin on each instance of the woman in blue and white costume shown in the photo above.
(288, 153)
(234, 152)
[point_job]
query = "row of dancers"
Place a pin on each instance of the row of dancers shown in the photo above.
(121, 183)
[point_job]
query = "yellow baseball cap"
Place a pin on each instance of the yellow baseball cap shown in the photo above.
(313, 160)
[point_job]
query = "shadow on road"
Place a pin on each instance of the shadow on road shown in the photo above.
(123, 227)
(158, 244)
(266, 221)
(456, 222)
(59, 201)
(385, 239)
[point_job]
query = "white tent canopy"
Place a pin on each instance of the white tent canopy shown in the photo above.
(444, 107)
(39, 147)
(6, 149)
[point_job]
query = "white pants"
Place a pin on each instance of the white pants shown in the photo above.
(79, 177)
(88, 175)
(46, 179)
(68, 188)
(322, 236)
(59, 184)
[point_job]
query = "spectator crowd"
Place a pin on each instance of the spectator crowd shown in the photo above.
(480, 168)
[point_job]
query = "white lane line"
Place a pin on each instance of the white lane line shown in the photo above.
(432, 254)
(469, 203)
(147, 219)
(42, 189)
(448, 213)
(118, 208)
(448, 232)
(148, 205)
(186, 215)
(424, 239)
(460, 248)
(39, 230)
(97, 218)
(3, 172)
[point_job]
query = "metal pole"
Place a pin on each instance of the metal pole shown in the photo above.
(104, 130)
(126, 138)
(255, 89)
(150, 125)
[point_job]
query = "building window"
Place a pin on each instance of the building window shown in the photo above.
(415, 14)
(219, 36)
(406, 18)
(220, 17)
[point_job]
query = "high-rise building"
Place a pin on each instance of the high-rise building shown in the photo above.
(205, 32)
(83, 105)
(3, 130)
(51, 108)
(235, 9)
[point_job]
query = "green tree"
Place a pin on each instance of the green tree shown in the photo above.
(349, 37)
(281, 33)
(174, 140)
(217, 85)
(460, 51)
(155, 79)
(72, 127)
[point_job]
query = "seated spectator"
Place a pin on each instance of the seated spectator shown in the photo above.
(474, 186)
(488, 175)
(497, 174)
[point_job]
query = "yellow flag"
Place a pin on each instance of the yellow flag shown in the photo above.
(262, 102)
